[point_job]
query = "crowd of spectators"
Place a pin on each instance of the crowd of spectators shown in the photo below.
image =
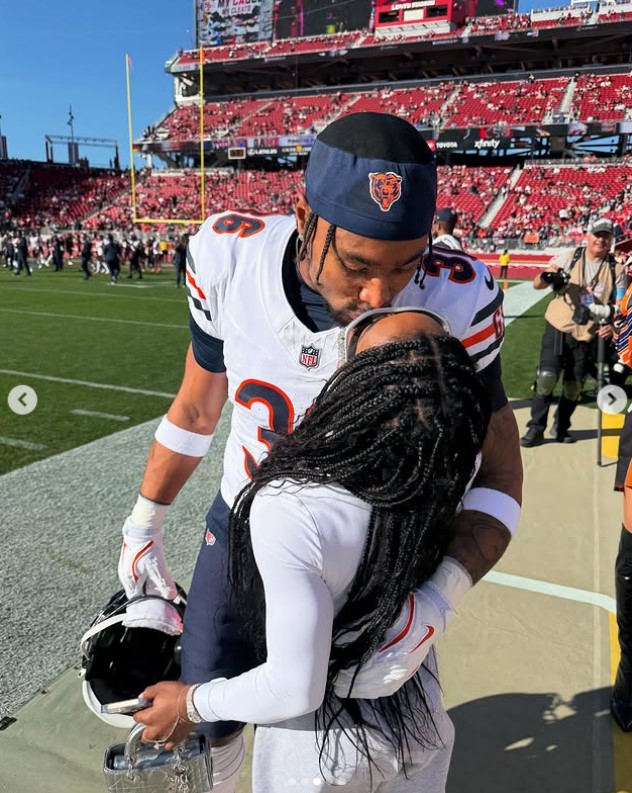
(445, 105)
(555, 204)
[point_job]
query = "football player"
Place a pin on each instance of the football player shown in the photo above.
(268, 296)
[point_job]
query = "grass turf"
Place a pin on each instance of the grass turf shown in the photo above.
(133, 335)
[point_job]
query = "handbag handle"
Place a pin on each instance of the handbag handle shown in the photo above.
(131, 744)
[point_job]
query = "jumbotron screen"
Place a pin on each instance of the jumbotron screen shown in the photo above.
(233, 21)
(484, 8)
(295, 18)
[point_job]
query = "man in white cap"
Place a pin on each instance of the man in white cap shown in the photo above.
(586, 286)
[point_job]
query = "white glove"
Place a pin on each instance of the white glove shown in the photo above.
(142, 570)
(425, 616)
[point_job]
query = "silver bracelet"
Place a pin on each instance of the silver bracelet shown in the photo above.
(192, 712)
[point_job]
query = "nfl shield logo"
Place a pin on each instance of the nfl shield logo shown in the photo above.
(309, 356)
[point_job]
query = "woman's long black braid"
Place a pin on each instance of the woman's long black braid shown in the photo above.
(399, 426)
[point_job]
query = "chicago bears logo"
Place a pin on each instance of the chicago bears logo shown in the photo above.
(385, 189)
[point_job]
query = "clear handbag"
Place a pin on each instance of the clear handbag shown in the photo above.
(134, 767)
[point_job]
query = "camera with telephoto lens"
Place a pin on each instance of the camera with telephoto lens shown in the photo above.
(581, 315)
(557, 280)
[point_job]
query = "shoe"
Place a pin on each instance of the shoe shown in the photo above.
(620, 705)
(532, 437)
(562, 437)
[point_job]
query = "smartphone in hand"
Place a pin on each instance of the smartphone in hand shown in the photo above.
(126, 706)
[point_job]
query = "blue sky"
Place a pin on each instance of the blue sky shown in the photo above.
(57, 53)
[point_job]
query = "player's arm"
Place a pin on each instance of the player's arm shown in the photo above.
(182, 439)
(482, 538)
(196, 410)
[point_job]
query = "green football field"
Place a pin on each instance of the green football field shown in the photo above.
(86, 348)
(102, 358)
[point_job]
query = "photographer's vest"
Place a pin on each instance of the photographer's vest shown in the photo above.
(602, 287)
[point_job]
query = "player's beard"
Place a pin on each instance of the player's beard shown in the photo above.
(343, 316)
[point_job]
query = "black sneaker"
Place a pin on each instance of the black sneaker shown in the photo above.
(532, 437)
(563, 437)
(620, 704)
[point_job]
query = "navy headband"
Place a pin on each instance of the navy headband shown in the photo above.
(390, 197)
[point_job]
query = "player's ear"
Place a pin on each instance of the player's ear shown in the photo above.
(301, 212)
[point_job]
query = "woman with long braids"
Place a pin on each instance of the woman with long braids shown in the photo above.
(344, 518)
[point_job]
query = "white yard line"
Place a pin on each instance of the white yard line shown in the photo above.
(553, 590)
(33, 447)
(519, 299)
(93, 319)
(88, 383)
(82, 293)
(98, 414)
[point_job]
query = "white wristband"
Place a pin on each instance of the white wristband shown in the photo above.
(182, 441)
(492, 502)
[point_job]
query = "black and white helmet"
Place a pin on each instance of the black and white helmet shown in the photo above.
(119, 662)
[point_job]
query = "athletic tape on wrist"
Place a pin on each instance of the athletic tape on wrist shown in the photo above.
(452, 581)
(492, 502)
(146, 519)
(182, 441)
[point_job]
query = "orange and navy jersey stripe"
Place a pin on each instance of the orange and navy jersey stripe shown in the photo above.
(623, 328)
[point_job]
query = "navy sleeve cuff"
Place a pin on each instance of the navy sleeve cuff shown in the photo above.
(207, 350)
(492, 380)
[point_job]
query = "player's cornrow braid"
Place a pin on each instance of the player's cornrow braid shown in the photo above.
(326, 245)
(399, 426)
(309, 230)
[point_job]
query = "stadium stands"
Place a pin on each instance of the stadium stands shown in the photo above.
(470, 191)
(516, 102)
(58, 196)
(445, 105)
(605, 97)
(558, 201)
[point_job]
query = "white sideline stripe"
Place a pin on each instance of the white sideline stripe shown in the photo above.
(81, 293)
(88, 384)
(554, 590)
(99, 415)
(34, 447)
(519, 299)
(93, 319)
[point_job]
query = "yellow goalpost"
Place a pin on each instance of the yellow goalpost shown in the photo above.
(174, 221)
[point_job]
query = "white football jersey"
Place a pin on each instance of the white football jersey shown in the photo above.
(275, 365)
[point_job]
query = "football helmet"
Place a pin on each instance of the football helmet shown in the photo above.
(119, 662)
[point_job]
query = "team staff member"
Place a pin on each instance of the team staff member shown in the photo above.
(585, 295)
(267, 297)
(180, 260)
(112, 257)
(375, 476)
(504, 260)
(23, 256)
(86, 257)
(443, 229)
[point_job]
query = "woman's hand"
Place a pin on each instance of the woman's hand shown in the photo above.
(166, 718)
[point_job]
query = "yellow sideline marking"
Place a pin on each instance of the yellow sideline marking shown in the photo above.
(621, 742)
(612, 425)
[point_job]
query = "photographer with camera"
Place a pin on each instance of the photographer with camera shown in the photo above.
(585, 289)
